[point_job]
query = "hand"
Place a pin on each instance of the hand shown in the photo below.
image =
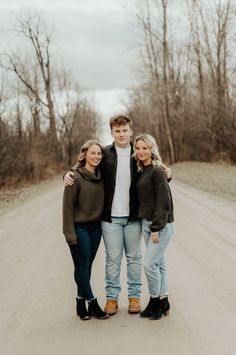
(68, 178)
(155, 237)
(71, 240)
(167, 171)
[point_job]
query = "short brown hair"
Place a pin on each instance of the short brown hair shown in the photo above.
(119, 120)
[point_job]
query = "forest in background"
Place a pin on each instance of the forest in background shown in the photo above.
(44, 114)
(187, 96)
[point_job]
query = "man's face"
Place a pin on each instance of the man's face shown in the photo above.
(121, 135)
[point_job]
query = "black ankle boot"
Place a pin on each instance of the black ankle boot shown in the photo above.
(166, 307)
(81, 309)
(95, 310)
(162, 307)
(147, 312)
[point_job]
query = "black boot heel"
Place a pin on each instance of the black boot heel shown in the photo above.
(81, 309)
(95, 310)
(147, 312)
(162, 308)
(166, 307)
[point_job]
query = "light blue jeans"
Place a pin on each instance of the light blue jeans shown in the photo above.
(154, 261)
(121, 235)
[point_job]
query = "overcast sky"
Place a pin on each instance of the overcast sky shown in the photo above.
(94, 39)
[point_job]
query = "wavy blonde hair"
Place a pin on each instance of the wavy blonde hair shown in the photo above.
(81, 159)
(152, 145)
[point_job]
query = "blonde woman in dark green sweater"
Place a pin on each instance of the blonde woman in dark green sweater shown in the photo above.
(82, 210)
(156, 212)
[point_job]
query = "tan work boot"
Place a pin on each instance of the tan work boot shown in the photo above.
(134, 305)
(111, 307)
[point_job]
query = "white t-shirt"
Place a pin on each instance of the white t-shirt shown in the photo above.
(120, 204)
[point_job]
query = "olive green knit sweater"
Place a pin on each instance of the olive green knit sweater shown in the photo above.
(82, 202)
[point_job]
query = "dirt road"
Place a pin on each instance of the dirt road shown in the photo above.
(37, 315)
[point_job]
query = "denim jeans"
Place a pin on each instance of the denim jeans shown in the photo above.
(121, 235)
(83, 254)
(154, 260)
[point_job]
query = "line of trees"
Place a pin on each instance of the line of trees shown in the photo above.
(44, 115)
(187, 95)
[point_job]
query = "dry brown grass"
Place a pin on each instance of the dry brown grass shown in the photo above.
(217, 178)
(12, 196)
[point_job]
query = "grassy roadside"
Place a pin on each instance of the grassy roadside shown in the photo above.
(10, 197)
(216, 178)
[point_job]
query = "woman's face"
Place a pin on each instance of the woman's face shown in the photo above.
(93, 156)
(143, 152)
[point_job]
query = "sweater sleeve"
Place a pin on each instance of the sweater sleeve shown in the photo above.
(69, 200)
(162, 200)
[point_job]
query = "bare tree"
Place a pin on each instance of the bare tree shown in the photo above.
(165, 82)
(160, 72)
(67, 112)
(210, 27)
(2, 102)
(45, 119)
(75, 115)
(35, 73)
(187, 97)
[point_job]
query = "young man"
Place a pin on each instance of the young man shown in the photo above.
(121, 228)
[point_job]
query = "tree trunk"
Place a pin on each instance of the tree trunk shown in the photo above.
(166, 99)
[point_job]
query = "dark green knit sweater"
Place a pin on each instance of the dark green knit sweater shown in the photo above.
(155, 200)
(82, 202)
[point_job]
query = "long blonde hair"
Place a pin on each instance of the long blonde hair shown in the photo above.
(152, 145)
(81, 160)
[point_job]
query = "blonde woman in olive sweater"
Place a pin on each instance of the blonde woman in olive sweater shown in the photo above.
(82, 210)
(156, 212)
